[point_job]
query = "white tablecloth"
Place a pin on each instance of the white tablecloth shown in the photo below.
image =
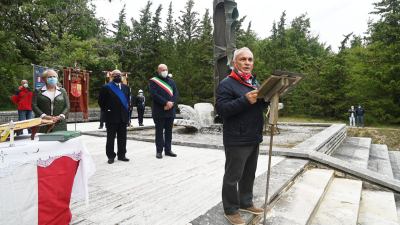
(18, 166)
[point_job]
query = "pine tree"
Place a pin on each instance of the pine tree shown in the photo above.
(188, 25)
(169, 32)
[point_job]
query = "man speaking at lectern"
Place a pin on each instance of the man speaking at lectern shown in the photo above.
(243, 120)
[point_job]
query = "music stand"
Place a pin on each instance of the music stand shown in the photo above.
(274, 87)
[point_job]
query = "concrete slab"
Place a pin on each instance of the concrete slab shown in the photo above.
(298, 204)
(325, 141)
(340, 204)
(379, 160)
(146, 190)
(354, 150)
(394, 157)
(356, 171)
(377, 208)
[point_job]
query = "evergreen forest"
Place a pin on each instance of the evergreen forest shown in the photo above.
(365, 70)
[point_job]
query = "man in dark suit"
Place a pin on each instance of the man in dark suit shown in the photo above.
(114, 101)
(165, 95)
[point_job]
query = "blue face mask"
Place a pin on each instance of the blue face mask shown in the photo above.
(52, 81)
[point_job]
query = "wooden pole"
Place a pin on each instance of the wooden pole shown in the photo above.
(272, 120)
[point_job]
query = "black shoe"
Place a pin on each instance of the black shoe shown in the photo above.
(159, 155)
(110, 161)
(141, 125)
(171, 154)
(123, 159)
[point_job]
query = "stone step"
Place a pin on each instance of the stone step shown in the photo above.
(354, 150)
(376, 208)
(397, 200)
(298, 204)
(379, 160)
(340, 204)
(282, 176)
(394, 157)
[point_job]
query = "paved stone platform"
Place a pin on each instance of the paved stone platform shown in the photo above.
(146, 190)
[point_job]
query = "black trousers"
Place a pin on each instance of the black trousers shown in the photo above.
(118, 129)
(163, 133)
(240, 170)
(140, 113)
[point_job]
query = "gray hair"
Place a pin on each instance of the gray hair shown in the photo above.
(240, 51)
(47, 72)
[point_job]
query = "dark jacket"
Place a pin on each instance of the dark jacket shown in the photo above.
(140, 102)
(161, 97)
(41, 104)
(112, 106)
(360, 111)
(243, 122)
(23, 98)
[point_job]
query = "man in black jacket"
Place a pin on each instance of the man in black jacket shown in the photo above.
(242, 115)
(165, 95)
(114, 101)
(140, 106)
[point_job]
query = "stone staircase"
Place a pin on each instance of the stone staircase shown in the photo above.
(313, 194)
(336, 199)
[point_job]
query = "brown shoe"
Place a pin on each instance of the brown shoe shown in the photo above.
(254, 210)
(235, 219)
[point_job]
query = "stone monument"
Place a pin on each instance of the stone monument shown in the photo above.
(225, 21)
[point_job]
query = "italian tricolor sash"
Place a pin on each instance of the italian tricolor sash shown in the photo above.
(165, 86)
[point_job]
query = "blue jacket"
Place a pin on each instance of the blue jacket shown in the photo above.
(160, 97)
(243, 122)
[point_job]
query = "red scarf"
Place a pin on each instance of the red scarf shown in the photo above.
(242, 78)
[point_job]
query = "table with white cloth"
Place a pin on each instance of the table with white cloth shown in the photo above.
(38, 179)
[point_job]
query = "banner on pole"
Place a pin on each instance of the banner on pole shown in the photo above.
(38, 81)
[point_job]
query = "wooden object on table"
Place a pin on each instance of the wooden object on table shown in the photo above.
(33, 124)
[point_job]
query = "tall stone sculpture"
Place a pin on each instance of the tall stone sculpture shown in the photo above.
(225, 21)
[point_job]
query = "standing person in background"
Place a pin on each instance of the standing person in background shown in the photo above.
(352, 114)
(140, 106)
(165, 96)
(51, 102)
(360, 116)
(131, 103)
(23, 100)
(114, 101)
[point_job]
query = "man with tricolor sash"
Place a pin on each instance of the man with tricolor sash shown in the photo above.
(114, 101)
(164, 95)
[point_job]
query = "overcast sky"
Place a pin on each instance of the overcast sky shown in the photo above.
(330, 19)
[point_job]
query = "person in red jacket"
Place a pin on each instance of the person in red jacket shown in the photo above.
(23, 100)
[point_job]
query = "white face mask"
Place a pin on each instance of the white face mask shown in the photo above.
(164, 74)
(25, 85)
